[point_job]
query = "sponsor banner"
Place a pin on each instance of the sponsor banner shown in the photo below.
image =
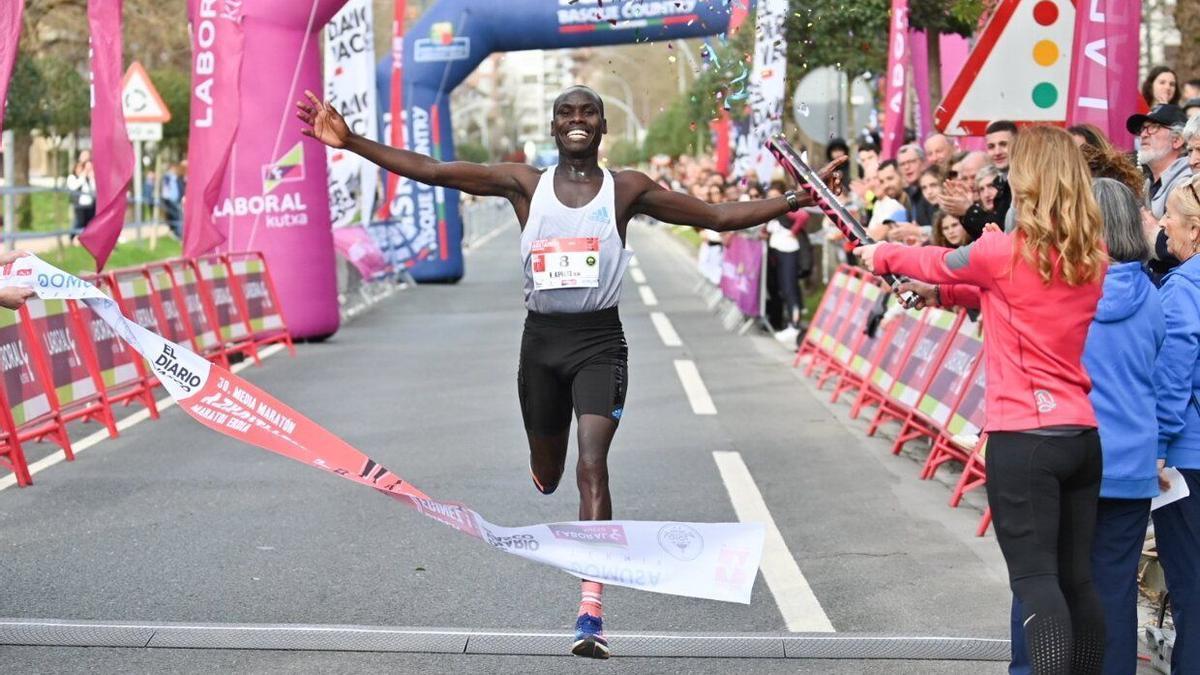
(350, 88)
(217, 48)
(588, 16)
(69, 375)
(953, 374)
(173, 326)
(231, 325)
(718, 561)
(10, 33)
(918, 368)
(1103, 87)
(356, 245)
(393, 124)
(112, 152)
(897, 80)
(261, 308)
(23, 386)
(766, 92)
(183, 276)
(741, 273)
(909, 321)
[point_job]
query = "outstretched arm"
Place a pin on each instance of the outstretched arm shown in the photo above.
(681, 209)
(325, 124)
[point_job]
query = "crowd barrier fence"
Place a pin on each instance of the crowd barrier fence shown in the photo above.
(62, 364)
(920, 368)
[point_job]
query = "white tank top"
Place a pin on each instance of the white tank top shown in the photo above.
(574, 259)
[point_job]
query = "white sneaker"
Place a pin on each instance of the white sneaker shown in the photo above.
(788, 335)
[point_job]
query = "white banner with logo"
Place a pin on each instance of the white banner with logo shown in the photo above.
(766, 90)
(350, 87)
(717, 561)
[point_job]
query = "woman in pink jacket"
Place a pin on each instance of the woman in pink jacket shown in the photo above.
(1038, 288)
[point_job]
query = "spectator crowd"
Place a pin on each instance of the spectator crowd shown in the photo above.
(1075, 200)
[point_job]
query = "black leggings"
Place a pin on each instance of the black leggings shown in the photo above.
(1043, 491)
(788, 283)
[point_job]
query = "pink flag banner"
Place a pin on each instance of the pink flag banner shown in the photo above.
(920, 83)
(10, 34)
(897, 80)
(1104, 68)
(741, 273)
(112, 153)
(217, 44)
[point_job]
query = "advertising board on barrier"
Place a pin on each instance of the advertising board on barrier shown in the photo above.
(741, 273)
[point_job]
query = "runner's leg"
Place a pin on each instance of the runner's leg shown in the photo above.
(591, 472)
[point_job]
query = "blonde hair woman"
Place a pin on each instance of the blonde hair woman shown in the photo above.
(1175, 377)
(1038, 288)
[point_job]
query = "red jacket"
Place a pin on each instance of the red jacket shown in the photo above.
(1035, 332)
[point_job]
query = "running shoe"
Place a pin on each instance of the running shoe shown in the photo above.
(589, 637)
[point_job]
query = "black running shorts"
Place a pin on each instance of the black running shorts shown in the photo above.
(571, 362)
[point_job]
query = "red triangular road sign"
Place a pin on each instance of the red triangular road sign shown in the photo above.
(140, 101)
(1018, 70)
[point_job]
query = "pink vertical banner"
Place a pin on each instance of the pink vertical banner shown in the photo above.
(10, 34)
(356, 245)
(920, 74)
(1104, 67)
(897, 80)
(112, 153)
(400, 9)
(217, 45)
(954, 50)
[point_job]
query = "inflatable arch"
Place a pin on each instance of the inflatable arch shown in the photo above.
(449, 41)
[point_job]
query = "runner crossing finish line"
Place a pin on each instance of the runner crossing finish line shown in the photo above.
(573, 358)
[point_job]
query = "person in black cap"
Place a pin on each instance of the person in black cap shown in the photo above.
(1163, 155)
(1191, 107)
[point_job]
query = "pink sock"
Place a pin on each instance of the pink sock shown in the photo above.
(589, 602)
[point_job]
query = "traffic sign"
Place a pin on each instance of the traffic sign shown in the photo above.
(144, 131)
(1018, 70)
(140, 101)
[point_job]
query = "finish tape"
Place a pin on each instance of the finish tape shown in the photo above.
(717, 561)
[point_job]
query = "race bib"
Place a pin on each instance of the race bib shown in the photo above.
(565, 262)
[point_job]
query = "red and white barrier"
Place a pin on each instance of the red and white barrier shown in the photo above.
(63, 364)
(921, 368)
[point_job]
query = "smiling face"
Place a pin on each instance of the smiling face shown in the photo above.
(998, 145)
(578, 124)
(1164, 87)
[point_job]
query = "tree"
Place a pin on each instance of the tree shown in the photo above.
(672, 132)
(624, 153)
(938, 17)
(472, 152)
(175, 87)
(850, 36)
(1187, 21)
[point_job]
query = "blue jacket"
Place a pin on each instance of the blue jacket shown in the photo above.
(1122, 346)
(1177, 376)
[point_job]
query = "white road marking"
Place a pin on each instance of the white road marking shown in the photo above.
(633, 261)
(665, 330)
(638, 275)
(480, 242)
(122, 424)
(693, 386)
(802, 612)
(648, 297)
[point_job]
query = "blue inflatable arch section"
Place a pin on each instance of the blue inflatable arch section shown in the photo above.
(442, 49)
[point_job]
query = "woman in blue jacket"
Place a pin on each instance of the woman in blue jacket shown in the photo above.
(1122, 346)
(1177, 381)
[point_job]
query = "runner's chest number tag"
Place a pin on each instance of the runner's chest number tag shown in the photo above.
(565, 262)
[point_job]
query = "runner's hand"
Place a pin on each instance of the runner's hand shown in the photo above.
(830, 175)
(324, 122)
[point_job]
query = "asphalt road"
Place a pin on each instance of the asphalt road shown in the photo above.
(172, 523)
